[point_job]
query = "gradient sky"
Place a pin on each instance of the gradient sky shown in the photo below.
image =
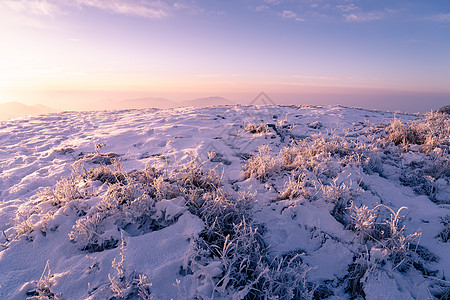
(211, 47)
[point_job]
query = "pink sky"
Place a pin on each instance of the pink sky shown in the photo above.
(296, 51)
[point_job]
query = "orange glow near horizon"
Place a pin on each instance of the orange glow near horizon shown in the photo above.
(53, 48)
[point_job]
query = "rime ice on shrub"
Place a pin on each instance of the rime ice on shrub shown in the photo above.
(430, 132)
(65, 190)
(43, 286)
(257, 128)
(399, 133)
(125, 286)
(388, 236)
(444, 234)
(262, 164)
(294, 187)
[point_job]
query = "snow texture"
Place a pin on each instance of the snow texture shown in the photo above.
(230, 202)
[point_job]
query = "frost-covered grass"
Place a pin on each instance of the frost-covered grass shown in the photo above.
(303, 208)
(444, 234)
(42, 289)
(257, 128)
(125, 286)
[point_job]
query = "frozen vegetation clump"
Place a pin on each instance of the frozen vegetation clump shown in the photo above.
(261, 165)
(243, 269)
(42, 288)
(444, 234)
(65, 190)
(99, 158)
(404, 134)
(429, 135)
(127, 286)
(129, 203)
(430, 132)
(295, 186)
(232, 245)
(257, 128)
(192, 176)
(387, 236)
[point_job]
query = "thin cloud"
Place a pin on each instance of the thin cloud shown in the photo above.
(289, 14)
(190, 7)
(27, 13)
(146, 9)
(152, 9)
(321, 78)
(356, 14)
(273, 2)
(443, 18)
(326, 10)
(364, 16)
(347, 7)
(261, 8)
(36, 7)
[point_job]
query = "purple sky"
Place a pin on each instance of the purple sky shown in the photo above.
(295, 50)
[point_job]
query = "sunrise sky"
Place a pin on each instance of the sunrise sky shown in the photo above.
(184, 49)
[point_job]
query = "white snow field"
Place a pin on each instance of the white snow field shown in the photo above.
(231, 202)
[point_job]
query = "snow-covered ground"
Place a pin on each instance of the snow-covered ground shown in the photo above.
(225, 202)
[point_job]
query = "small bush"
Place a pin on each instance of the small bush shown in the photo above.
(99, 158)
(44, 285)
(372, 163)
(323, 155)
(444, 235)
(130, 200)
(294, 187)
(128, 206)
(337, 193)
(104, 174)
(240, 255)
(341, 195)
(261, 165)
(257, 128)
(125, 286)
(88, 232)
(387, 236)
(404, 134)
(65, 190)
(315, 125)
(438, 165)
(284, 278)
(354, 279)
(431, 132)
(192, 176)
(23, 225)
(421, 183)
(300, 184)
(64, 150)
(363, 221)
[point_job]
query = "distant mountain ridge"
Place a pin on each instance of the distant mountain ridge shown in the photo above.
(146, 102)
(150, 102)
(207, 101)
(14, 109)
(11, 110)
